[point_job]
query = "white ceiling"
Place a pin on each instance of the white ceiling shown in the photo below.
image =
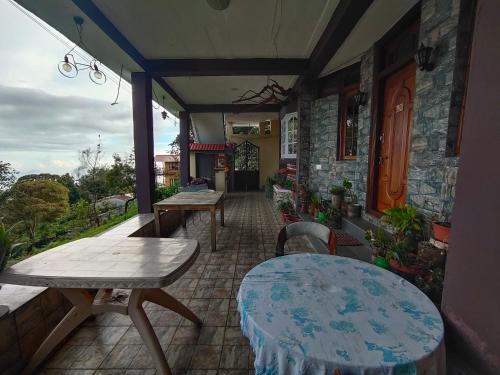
(377, 20)
(221, 90)
(209, 127)
(191, 29)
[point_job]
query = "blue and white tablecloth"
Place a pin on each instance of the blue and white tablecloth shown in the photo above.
(313, 314)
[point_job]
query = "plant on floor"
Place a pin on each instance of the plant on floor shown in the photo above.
(405, 222)
(270, 181)
(334, 217)
(337, 192)
(441, 226)
(286, 206)
(379, 243)
(431, 283)
(315, 203)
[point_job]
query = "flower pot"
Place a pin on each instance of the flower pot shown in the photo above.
(353, 210)
(407, 272)
(290, 218)
(321, 216)
(337, 200)
(441, 231)
(382, 262)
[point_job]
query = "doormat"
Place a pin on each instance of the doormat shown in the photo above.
(344, 239)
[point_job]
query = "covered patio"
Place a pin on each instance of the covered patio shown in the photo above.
(364, 100)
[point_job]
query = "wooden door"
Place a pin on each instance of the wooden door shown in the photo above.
(394, 138)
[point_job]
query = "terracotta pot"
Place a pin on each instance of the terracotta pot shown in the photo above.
(353, 210)
(409, 270)
(337, 200)
(289, 218)
(441, 231)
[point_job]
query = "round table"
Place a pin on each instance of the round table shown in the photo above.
(315, 314)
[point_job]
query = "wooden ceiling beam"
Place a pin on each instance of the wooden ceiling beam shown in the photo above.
(344, 19)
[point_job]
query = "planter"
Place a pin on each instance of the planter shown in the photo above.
(441, 231)
(381, 262)
(407, 272)
(337, 200)
(353, 210)
(312, 211)
(291, 218)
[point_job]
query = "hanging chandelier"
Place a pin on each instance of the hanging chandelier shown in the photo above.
(70, 68)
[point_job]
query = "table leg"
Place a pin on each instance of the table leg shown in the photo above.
(143, 326)
(162, 298)
(222, 213)
(157, 222)
(82, 310)
(183, 218)
(213, 227)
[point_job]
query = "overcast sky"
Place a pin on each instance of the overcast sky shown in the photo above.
(45, 118)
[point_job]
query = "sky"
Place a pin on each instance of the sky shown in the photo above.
(45, 118)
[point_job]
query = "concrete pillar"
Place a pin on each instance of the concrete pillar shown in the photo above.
(471, 303)
(143, 140)
(184, 121)
(304, 102)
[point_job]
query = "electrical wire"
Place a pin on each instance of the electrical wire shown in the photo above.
(119, 84)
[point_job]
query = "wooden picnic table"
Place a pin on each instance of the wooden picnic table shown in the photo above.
(193, 201)
(143, 265)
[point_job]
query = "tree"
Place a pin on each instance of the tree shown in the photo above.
(93, 182)
(65, 179)
(7, 178)
(120, 178)
(175, 145)
(34, 203)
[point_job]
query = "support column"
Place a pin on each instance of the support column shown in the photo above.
(143, 140)
(304, 101)
(184, 146)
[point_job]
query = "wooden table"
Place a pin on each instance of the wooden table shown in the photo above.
(144, 265)
(193, 201)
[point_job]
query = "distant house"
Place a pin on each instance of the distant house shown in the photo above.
(167, 169)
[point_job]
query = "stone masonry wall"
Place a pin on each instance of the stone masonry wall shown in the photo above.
(304, 113)
(431, 175)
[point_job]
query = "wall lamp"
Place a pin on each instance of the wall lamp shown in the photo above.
(423, 58)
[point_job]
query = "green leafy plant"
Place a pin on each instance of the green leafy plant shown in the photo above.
(7, 247)
(286, 206)
(166, 191)
(405, 221)
(378, 241)
(349, 194)
(337, 190)
(315, 200)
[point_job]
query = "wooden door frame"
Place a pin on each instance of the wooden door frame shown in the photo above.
(377, 108)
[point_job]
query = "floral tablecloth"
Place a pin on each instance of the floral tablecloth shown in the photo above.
(314, 314)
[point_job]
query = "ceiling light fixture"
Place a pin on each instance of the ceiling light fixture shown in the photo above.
(69, 67)
(218, 4)
(360, 98)
(423, 57)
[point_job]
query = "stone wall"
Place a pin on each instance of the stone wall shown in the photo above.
(304, 113)
(431, 175)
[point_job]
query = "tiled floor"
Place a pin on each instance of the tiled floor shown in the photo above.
(109, 344)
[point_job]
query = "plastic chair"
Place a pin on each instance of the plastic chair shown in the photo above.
(319, 231)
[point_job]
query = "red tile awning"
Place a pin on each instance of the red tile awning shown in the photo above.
(207, 147)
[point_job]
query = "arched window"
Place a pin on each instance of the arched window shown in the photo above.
(289, 132)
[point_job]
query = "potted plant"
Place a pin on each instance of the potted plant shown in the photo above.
(441, 230)
(407, 227)
(334, 217)
(353, 208)
(379, 243)
(321, 213)
(270, 181)
(314, 205)
(337, 192)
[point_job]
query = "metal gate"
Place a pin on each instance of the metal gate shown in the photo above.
(246, 167)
